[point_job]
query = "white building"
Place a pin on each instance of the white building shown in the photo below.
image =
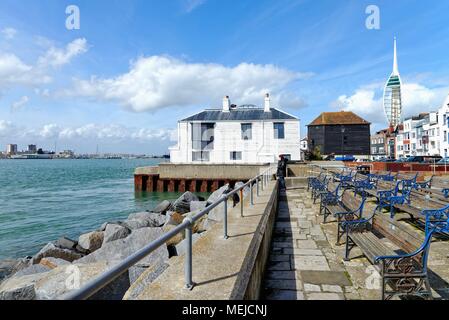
(443, 115)
(304, 148)
(237, 135)
(11, 149)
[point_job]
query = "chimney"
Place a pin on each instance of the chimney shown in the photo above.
(226, 104)
(267, 103)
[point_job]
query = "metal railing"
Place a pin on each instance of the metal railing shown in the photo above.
(261, 182)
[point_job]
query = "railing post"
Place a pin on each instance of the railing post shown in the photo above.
(225, 218)
(188, 258)
(251, 193)
(241, 203)
(257, 186)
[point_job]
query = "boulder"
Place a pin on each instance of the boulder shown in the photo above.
(53, 263)
(116, 251)
(50, 250)
(7, 267)
(199, 225)
(162, 207)
(217, 213)
(20, 288)
(176, 239)
(181, 247)
(115, 232)
(214, 197)
(155, 220)
(65, 279)
(197, 205)
(91, 241)
(145, 278)
(182, 205)
(33, 269)
(66, 243)
(136, 224)
(173, 218)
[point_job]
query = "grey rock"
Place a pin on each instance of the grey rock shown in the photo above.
(197, 205)
(53, 263)
(145, 278)
(155, 220)
(217, 213)
(182, 205)
(118, 250)
(62, 280)
(34, 269)
(173, 218)
(81, 250)
(66, 243)
(115, 232)
(214, 197)
(181, 247)
(50, 250)
(7, 267)
(91, 241)
(20, 288)
(136, 224)
(162, 207)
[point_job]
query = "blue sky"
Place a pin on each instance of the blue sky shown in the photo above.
(135, 67)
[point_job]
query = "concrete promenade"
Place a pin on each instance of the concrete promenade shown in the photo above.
(306, 264)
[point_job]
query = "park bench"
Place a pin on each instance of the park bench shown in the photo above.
(381, 175)
(418, 202)
(407, 179)
(345, 208)
(440, 186)
(312, 180)
(403, 274)
(361, 183)
(345, 177)
(319, 186)
(330, 196)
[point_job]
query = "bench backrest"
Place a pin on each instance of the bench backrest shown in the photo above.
(333, 186)
(350, 201)
(440, 182)
(398, 233)
(407, 176)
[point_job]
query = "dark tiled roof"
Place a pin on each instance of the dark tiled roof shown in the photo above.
(337, 118)
(240, 115)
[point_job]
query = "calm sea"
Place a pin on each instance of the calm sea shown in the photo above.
(41, 200)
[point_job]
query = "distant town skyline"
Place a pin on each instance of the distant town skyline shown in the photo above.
(134, 68)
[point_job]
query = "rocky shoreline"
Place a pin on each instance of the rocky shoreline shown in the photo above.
(66, 265)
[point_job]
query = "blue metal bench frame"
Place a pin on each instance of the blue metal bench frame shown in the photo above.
(329, 198)
(318, 187)
(397, 196)
(312, 180)
(407, 272)
(384, 177)
(347, 216)
(360, 186)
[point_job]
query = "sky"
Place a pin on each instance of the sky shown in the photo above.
(134, 68)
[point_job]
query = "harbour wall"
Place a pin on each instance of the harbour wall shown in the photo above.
(169, 177)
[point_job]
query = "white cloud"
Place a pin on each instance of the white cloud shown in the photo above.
(9, 33)
(108, 133)
(57, 57)
(159, 81)
(7, 129)
(367, 101)
(20, 103)
(191, 5)
(14, 71)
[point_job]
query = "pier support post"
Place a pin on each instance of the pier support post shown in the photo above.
(171, 186)
(192, 187)
(138, 183)
(215, 186)
(160, 186)
(225, 218)
(150, 184)
(204, 186)
(182, 186)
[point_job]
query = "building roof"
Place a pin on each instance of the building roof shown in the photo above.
(240, 114)
(338, 118)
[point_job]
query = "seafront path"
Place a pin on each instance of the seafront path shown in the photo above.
(306, 264)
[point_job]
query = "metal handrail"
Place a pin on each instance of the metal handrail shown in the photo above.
(95, 285)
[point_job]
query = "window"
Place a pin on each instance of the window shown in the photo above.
(279, 131)
(203, 136)
(236, 155)
(201, 156)
(247, 131)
